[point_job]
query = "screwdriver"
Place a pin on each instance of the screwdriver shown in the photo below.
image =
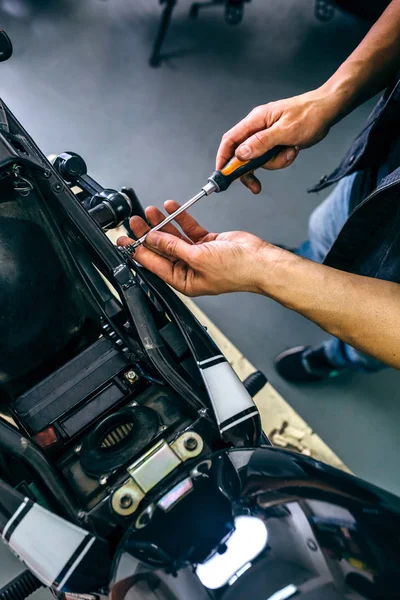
(219, 181)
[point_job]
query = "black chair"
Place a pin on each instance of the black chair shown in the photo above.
(233, 16)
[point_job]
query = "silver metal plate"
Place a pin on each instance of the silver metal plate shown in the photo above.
(156, 464)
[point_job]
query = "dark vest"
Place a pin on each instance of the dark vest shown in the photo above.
(369, 242)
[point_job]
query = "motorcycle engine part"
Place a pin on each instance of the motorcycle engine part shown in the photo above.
(70, 166)
(126, 499)
(110, 208)
(188, 445)
(171, 416)
(162, 459)
(117, 438)
(76, 394)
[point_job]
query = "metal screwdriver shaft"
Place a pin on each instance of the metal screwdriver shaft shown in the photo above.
(219, 181)
(208, 189)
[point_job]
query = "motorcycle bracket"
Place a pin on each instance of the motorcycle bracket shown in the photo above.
(153, 467)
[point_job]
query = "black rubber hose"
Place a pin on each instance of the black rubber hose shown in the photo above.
(20, 447)
(255, 382)
(138, 307)
(20, 587)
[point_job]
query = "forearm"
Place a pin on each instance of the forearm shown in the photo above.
(361, 311)
(368, 69)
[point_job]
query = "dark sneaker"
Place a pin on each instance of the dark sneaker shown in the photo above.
(305, 363)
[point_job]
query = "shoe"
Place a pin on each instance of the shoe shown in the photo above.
(305, 364)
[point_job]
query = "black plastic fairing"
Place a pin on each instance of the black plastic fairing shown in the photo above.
(264, 524)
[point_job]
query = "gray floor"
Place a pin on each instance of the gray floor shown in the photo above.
(79, 80)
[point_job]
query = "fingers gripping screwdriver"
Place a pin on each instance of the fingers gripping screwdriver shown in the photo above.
(219, 181)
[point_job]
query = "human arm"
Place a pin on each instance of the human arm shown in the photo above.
(304, 120)
(359, 310)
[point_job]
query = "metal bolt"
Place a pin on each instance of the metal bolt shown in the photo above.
(78, 448)
(81, 514)
(125, 501)
(103, 480)
(131, 376)
(47, 173)
(191, 444)
(58, 187)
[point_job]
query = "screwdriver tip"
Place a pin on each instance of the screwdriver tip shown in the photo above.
(128, 250)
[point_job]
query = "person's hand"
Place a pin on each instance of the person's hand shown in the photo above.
(295, 123)
(202, 263)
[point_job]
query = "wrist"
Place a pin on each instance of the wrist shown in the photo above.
(339, 95)
(273, 271)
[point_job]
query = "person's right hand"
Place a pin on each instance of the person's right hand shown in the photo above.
(295, 123)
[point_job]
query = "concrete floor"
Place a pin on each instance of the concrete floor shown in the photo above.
(79, 80)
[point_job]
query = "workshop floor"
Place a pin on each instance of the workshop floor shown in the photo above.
(79, 80)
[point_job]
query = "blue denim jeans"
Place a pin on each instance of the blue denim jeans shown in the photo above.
(324, 225)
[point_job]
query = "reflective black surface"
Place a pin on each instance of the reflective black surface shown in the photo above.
(264, 524)
(6, 48)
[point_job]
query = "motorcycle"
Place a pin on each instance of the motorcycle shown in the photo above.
(132, 460)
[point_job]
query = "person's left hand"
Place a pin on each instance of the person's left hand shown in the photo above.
(202, 263)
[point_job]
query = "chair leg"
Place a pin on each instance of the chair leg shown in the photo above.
(156, 58)
(234, 11)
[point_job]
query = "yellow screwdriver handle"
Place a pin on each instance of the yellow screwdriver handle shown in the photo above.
(236, 168)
